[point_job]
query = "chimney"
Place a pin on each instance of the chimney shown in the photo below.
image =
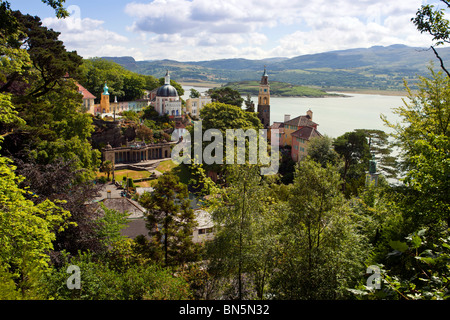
(310, 114)
(287, 117)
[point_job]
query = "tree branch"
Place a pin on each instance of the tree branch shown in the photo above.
(440, 60)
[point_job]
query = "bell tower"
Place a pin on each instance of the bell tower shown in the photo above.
(264, 100)
(104, 102)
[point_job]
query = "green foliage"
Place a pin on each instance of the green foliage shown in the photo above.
(320, 251)
(170, 222)
(26, 231)
(320, 149)
(154, 121)
(108, 167)
(276, 89)
(381, 148)
(354, 149)
(424, 138)
(226, 95)
(243, 248)
(426, 274)
(200, 184)
(48, 104)
(249, 104)
(102, 281)
(51, 60)
(194, 93)
(223, 116)
(124, 84)
(432, 21)
(109, 225)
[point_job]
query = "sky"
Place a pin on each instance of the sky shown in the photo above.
(196, 30)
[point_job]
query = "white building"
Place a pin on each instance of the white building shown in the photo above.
(204, 230)
(167, 100)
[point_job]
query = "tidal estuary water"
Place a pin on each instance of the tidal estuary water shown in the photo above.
(335, 115)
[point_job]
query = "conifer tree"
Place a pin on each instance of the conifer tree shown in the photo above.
(170, 221)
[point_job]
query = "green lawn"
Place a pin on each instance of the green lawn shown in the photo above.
(119, 174)
(165, 166)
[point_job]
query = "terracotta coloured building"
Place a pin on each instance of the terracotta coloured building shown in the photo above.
(297, 133)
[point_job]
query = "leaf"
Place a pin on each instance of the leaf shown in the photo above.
(416, 241)
(427, 260)
(358, 292)
(398, 245)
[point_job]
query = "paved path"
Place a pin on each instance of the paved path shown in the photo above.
(115, 192)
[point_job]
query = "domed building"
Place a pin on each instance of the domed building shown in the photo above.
(167, 100)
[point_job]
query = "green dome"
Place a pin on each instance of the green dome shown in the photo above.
(105, 90)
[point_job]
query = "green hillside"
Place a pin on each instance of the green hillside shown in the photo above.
(381, 68)
(277, 88)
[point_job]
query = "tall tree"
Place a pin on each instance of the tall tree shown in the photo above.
(51, 61)
(61, 182)
(320, 149)
(320, 251)
(194, 93)
(108, 167)
(249, 105)
(354, 149)
(381, 148)
(27, 229)
(243, 246)
(170, 221)
(423, 135)
(226, 95)
(223, 117)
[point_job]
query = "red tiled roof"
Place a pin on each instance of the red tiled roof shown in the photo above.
(277, 125)
(86, 94)
(306, 133)
(301, 121)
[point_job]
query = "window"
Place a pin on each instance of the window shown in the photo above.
(205, 231)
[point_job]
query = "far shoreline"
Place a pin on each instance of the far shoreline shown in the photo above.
(337, 91)
(393, 93)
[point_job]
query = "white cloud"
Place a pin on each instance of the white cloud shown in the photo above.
(90, 39)
(314, 26)
(215, 29)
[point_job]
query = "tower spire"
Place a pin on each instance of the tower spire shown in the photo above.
(264, 99)
(265, 77)
(167, 77)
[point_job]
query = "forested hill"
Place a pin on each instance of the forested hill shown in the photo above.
(277, 88)
(369, 68)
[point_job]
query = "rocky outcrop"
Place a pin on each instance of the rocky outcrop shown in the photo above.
(107, 132)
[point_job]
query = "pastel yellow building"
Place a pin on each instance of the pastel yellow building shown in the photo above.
(194, 105)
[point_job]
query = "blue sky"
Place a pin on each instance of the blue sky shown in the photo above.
(194, 30)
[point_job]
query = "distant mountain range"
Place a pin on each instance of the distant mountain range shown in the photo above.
(377, 67)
